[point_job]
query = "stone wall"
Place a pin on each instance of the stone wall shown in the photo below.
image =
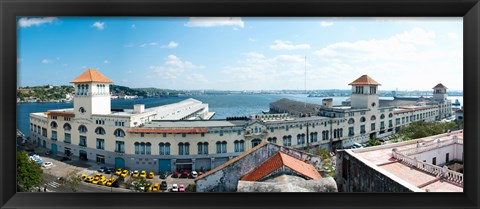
(353, 175)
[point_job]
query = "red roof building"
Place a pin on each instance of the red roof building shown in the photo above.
(365, 80)
(440, 86)
(91, 75)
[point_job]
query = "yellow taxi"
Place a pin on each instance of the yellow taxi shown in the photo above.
(118, 172)
(151, 175)
(156, 187)
(103, 181)
(83, 177)
(110, 181)
(143, 174)
(124, 173)
(97, 178)
(89, 179)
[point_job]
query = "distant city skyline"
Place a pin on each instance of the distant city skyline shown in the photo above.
(243, 53)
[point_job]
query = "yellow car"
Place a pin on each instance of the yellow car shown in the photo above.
(97, 178)
(83, 177)
(135, 174)
(143, 174)
(151, 175)
(156, 187)
(110, 181)
(89, 179)
(124, 173)
(148, 187)
(118, 172)
(103, 181)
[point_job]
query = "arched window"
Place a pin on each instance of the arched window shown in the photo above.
(119, 133)
(362, 119)
(382, 116)
(164, 148)
(373, 117)
(137, 148)
(100, 131)
(272, 140)
(351, 121)
(167, 148)
(53, 124)
(219, 147)
(148, 150)
(86, 88)
(256, 142)
(142, 148)
(390, 115)
(202, 148)
(82, 129)
(67, 127)
(180, 148)
(78, 89)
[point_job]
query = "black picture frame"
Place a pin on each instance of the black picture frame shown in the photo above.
(468, 9)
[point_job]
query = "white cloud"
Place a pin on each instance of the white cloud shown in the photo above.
(251, 40)
(215, 21)
(134, 26)
(174, 67)
(415, 55)
(46, 61)
(197, 78)
(326, 24)
(287, 45)
(256, 71)
(106, 62)
(128, 45)
(170, 45)
(453, 36)
(99, 25)
(25, 22)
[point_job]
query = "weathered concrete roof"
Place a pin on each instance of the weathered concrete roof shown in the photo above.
(295, 107)
(289, 183)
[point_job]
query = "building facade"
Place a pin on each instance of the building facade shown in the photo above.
(182, 136)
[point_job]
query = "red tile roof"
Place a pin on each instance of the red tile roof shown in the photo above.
(440, 86)
(91, 75)
(277, 161)
(63, 114)
(170, 131)
(365, 80)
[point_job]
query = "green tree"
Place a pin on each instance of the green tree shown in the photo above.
(29, 173)
(373, 142)
(422, 129)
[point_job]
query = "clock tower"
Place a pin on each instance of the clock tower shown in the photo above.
(92, 94)
(364, 93)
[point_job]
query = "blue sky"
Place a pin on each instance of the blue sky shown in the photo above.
(243, 53)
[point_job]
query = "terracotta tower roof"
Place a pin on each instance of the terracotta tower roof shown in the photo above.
(440, 86)
(91, 75)
(277, 161)
(365, 80)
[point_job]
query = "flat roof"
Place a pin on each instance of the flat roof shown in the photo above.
(193, 124)
(381, 157)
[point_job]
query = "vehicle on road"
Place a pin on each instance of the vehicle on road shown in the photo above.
(89, 179)
(135, 173)
(151, 175)
(102, 169)
(156, 187)
(163, 175)
(124, 173)
(181, 188)
(111, 181)
(184, 174)
(194, 174)
(174, 188)
(83, 177)
(64, 159)
(175, 174)
(110, 170)
(118, 172)
(103, 181)
(164, 185)
(143, 174)
(47, 164)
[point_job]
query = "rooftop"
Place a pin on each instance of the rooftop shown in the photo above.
(91, 75)
(440, 86)
(382, 158)
(279, 160)
(365, 80)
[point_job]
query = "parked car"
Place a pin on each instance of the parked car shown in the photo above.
(111, 181)
(175, 174)
(185, 174)
(47, 164)
(89, 179)
(164, 185)
(163, 175)
(103, 181)
(124, 173)
(109, 170)
(193, 174)
(156, 187)
(151, 175)
(65, 158)
(118, 172)
(83, 177)
(181, 188)
(143, 174)
(174, 188)
(102, 169)
(135, 173)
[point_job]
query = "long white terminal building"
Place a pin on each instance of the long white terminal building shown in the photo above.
(182, 136)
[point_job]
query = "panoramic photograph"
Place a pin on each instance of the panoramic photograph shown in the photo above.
(239, 104)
